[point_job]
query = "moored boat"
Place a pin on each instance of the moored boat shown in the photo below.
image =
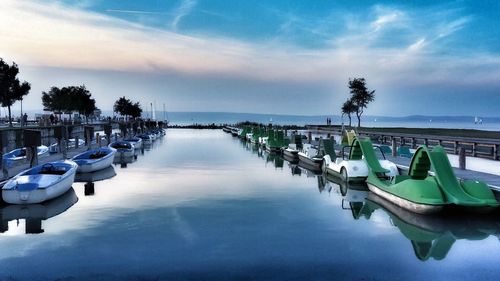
(310, 156)
(146, 139)
(136, 141)
(123, 148)
(293, 148)
(40, 183)
(94, 159)
(419, 191)
(354, 167)
(54, 148)
(20, 153)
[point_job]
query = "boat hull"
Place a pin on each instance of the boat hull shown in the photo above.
(406, 204)
(13, 196)
(97, 165)
(314, 163)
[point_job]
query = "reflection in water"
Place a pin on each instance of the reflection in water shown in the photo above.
(89, 189)
(124, 160)
(100, 175)
(203, 207)
(430, 236)
(33, 214)
(274, 158)
(433, 236)
(295, 169)
(90, 178)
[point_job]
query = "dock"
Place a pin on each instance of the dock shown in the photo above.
(486, 148)
(493, 181)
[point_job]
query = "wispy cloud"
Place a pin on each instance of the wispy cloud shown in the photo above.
(73, 38)
(183, 10)
(136, 12)
(386, 17)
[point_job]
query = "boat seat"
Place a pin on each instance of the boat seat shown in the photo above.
(97, 155)
(53, 172)
(49, 169)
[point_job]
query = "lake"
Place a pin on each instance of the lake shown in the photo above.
(202, 205)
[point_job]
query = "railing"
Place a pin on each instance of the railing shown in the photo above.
(475, 147)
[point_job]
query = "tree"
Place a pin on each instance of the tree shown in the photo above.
(135, 110)
(68, 100)
(83, 101)
(125, 107)
(11, 90)
(122, 106)
(56, 100)
(360, 96)
(348, 108)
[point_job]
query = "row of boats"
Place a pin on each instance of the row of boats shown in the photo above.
(52, 179)
(430, 237)
(429, 185)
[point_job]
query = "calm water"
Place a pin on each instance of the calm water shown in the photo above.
(201, 205)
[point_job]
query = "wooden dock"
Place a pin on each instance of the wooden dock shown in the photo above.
(481, 147)
(492, 180)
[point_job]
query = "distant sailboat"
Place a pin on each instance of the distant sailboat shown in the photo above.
(478, 120)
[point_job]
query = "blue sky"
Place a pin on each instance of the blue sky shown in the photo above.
(290, 57)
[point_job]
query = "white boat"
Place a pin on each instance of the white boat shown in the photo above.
(349, 169)
(146, 139)
(54, 148)
(123, 148)
(20, 153)
(291, 152)
(136, 141)
(40, 183)
(310, 156)
(249, 136)
(152, 135)
(94, 159)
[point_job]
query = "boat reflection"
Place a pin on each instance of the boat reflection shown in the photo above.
(274, 158)
(90, 178)
(431, 236)
(295, 169)
(124, 160)
(100, 175)
(34, 214)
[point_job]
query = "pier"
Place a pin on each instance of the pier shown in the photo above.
(482, 147)
(486, 148)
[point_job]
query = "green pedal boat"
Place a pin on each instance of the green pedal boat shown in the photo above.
(418, 191)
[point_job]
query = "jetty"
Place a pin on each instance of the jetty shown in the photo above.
(94, 134)
(485, 146)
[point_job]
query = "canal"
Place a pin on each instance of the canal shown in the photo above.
(202, 205)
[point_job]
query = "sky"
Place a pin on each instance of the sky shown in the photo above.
(261, 56)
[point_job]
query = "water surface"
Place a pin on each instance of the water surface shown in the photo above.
(201, 205)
